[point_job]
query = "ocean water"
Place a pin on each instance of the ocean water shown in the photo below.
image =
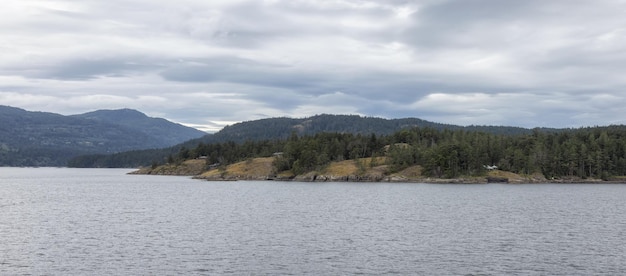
(58, 221)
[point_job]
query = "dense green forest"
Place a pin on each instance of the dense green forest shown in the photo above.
(590, 152)
(598, 152)
(281, 129)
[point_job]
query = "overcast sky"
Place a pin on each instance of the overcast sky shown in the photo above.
(210, 63)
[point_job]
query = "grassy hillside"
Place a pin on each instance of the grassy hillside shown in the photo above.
(359, 170)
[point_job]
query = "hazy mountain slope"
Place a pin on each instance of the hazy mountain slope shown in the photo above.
(168, 133)
(281, 128)
(47, 139)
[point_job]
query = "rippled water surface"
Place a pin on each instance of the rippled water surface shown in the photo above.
(103, 222)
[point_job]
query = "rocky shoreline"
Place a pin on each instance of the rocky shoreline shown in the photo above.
(260, 169)
(400, 179)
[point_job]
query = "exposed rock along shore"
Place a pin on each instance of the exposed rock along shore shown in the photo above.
(344, 171)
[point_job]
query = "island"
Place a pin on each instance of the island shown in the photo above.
(360, 170)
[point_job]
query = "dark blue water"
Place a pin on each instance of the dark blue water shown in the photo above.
(103, 222)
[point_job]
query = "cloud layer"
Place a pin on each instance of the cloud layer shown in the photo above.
(210, 63)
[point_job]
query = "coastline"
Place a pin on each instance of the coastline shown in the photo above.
(260, 169)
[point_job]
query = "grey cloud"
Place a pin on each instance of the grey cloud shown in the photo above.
(583, 56)
(242, 71)
(205, 59)
(253, 23)
(83, 68)
(238, 70)
(447, 24)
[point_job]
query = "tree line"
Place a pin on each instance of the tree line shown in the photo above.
(598, 152)
(278, 129)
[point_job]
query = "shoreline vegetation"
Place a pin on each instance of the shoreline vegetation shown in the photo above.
(587, 155)
(359, 170)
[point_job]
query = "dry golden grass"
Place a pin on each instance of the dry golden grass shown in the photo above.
(513, 177)
(347, 167)
(285, 175)
(249, 169)
(188, 167)
(357, 167)
(412, 172)
(262, 167)
(196, 163)
(377, 161)
(256, 166)
(499, 173)
(210, 174)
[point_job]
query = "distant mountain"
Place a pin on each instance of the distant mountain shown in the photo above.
(48, 139)
(167, 132)
(282, 128)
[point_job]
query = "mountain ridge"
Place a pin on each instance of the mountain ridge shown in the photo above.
(34, 138)
(281, 128)
(151, 126)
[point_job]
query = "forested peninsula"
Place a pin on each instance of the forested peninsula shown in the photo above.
(420, 154)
